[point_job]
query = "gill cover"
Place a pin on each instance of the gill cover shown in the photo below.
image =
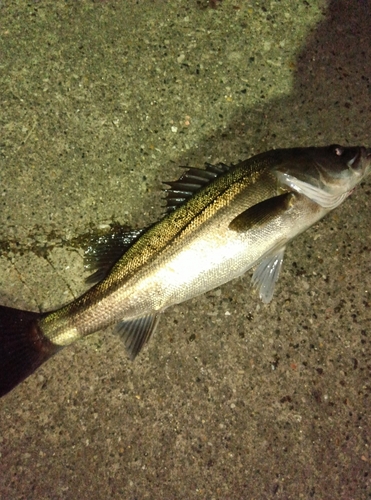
(325, 175)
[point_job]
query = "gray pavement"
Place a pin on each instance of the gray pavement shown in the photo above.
(101, 101)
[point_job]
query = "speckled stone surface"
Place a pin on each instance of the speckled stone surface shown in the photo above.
(231, 399)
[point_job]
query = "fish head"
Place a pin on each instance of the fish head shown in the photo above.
(342, 168)
(326, 175)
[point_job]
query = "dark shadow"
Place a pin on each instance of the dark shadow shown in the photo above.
(331, 98)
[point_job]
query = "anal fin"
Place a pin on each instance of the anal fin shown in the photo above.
(136, 332)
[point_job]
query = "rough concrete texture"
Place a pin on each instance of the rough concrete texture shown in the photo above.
(231, 399)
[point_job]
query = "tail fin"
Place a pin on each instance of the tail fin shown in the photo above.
(23, 347)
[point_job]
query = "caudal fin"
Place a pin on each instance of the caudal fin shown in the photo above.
(23, 347)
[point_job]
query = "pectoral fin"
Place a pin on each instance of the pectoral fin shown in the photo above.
(262, 212)
(266, 274)
(135, 333)
(314, 193)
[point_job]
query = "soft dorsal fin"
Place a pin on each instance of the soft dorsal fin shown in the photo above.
(105, 250)
(191, 181)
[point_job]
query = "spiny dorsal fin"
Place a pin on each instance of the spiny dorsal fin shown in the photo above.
(105, 250)
(191, 181)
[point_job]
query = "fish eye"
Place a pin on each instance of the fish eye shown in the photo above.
(338, 150)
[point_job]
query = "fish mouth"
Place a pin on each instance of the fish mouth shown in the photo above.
(364, 161)
(360, 154)
(362, 158)
(365, 153)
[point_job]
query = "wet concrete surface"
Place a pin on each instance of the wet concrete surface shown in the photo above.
(101, 101)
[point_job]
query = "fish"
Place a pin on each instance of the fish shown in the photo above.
(219, 222)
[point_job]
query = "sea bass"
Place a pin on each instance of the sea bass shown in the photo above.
(220, 222)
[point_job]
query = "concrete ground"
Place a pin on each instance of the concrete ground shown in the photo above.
(231, 399)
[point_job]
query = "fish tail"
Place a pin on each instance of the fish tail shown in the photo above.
(23, 346)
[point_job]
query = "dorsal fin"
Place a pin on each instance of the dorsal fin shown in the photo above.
(106, 249)
(191, 181)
